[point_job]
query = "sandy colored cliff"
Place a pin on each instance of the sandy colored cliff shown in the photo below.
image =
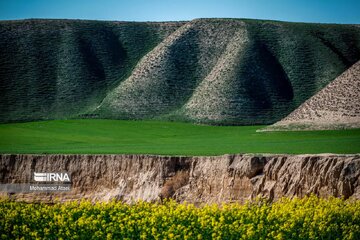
(227, 178)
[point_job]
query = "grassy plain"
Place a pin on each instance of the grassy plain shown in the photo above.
(94, 136)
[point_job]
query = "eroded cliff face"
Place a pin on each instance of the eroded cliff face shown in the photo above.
(226, 178)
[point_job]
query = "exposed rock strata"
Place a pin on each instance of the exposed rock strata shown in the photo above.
(226, 178)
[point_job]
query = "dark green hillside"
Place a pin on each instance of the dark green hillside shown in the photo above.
(240, 71)
(217, 71)
(63, 68)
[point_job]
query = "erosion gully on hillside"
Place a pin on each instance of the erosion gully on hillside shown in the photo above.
(214, 71)
(216, 179)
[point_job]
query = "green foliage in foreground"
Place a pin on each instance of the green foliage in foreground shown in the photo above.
(148, 137)
(308, 218)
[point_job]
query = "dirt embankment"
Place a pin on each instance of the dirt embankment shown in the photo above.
(224, 178)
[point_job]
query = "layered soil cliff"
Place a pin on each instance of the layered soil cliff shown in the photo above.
(226, 178)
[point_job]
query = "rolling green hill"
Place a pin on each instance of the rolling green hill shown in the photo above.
(64, 68)
(215, 71)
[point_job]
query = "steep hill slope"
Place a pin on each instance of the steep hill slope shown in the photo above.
(335, 106)
(234, 71)
(216, 71)
(63, 68)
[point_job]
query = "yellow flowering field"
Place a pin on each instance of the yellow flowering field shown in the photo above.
(307, 218)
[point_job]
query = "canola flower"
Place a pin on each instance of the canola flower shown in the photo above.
(306, 218)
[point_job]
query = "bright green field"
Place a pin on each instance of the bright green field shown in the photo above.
(149, 137)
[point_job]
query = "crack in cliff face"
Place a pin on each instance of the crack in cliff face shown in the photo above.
(226, 178)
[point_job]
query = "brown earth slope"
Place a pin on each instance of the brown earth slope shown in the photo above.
(227, 178)
(335, 106)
